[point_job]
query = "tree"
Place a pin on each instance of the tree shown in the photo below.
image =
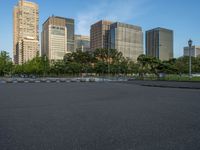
(123, 66)
(133, 67)
(5, 63)
(196, 65)
(143, 67)
(151, 65)
(101, 67)
(112, 61)
(155, 66)
(36, 66)
(83, 61)
(58, 67)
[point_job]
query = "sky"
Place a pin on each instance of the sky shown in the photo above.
(182, 16)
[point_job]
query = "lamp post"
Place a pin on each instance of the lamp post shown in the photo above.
(190, 59)
(45, 60)
(108, 63)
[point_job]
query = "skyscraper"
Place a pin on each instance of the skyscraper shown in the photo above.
(159, 43)
(195, 51)
(99, 35)
(57, 37)
(82, 43)
(54, 38)
(127, 39)
(70, 34)
(26, 31)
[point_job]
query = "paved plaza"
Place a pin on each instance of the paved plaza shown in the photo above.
(98, 116)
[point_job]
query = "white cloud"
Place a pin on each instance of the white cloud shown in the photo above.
(116, 10)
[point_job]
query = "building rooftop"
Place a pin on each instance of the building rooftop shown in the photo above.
(102, 21)
(160, 28)
(126, 25)
(68, 19)
(27, 2)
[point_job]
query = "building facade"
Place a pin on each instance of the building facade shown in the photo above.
(159, 43)
(57, 37)
(70, 34)
(26, 31)
(127, 39)
(82, 43)
(99, 35)
(195, 51)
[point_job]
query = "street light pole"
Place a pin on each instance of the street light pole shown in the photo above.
(108, 62)
(45, 59)
(190, 59)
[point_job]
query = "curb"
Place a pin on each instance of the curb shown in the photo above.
(50, 81)
(168, 86)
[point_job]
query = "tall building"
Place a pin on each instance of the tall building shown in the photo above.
(127, 39)
(26, 31)
(99, 35)
(82, 43)
(57, 37)
(159, 43)
(70, 34)
(195, 51)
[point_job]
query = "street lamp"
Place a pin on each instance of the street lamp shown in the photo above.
(108, 62)
(190, 59)
(45, 60)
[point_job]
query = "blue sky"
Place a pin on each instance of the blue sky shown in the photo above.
(182, 16)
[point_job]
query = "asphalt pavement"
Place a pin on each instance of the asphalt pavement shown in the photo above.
(98, 116)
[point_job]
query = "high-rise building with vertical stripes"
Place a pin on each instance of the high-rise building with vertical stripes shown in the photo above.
(159, 43)
(82, 43)
(57, 37)
(99, 35)
(25, 31)
(127, 39)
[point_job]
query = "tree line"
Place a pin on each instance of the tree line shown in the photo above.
(100, 62)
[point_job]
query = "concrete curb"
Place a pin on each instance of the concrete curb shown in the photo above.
(31, 81)
(168, 86)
